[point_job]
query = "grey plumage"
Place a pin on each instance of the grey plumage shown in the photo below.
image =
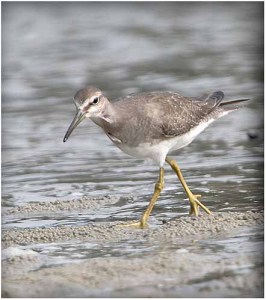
(163, 115)
(150, 117)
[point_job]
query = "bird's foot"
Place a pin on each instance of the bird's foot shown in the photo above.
(195, 204)
(137, 225)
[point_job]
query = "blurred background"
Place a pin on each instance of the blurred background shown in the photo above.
(52, 49)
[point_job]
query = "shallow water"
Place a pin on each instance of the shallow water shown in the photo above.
(124, 48)
(47, 58)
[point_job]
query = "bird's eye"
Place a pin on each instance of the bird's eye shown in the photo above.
(95, 100)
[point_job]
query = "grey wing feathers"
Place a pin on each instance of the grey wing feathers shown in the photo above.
(189, 112)
(215, 98)
(167, 114)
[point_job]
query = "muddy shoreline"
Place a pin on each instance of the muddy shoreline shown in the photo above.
(167, 272)
(185, 227)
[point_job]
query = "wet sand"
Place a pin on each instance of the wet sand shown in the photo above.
(165, 273)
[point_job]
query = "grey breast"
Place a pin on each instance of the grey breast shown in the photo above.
(152, 116)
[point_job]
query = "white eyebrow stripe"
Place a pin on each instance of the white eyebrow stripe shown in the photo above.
(85, 103)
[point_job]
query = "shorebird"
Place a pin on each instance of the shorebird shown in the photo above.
(150, 125)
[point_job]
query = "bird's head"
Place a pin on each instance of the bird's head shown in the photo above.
(90, 103)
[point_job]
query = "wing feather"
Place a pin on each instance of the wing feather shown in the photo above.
(188, 113)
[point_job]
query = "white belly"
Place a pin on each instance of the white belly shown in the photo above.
(158, 151)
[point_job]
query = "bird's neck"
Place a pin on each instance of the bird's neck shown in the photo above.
(107, 118)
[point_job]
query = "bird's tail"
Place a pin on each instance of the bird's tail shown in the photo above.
(233, 104)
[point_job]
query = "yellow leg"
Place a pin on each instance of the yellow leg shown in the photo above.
(157, 190)
(193, 199)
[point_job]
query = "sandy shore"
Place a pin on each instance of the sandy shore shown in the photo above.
(166, 272)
